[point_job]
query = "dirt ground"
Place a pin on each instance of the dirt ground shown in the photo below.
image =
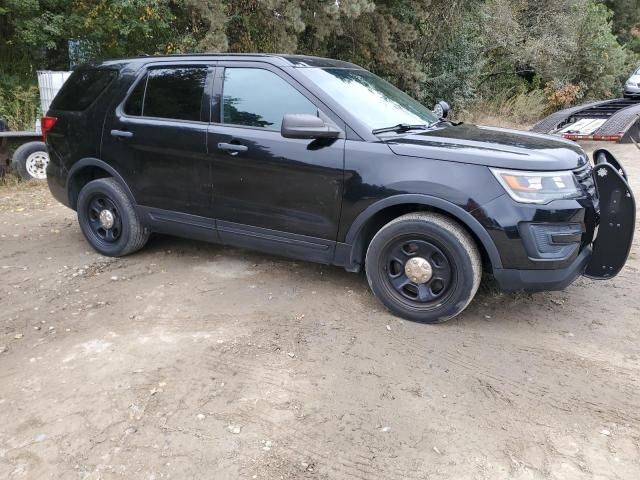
(190, 360)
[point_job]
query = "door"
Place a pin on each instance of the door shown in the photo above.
(270, 192)
(157, 139)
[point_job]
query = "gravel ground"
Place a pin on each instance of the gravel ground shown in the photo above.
(190, 360)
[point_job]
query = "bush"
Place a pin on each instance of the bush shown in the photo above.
(19, 106)
(519, 110)
(600, 63)
(561, 95)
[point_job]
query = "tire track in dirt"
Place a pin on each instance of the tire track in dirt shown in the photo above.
(247, 372)
(306, 449)
(356, 465)
(535, 391)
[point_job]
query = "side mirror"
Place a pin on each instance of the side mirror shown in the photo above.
(305, 125)
(441, 109)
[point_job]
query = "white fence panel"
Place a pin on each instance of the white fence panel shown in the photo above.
(49, 83)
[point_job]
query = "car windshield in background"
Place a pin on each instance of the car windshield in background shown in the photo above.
(369, 98)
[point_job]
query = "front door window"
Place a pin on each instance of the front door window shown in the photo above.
(255, 97)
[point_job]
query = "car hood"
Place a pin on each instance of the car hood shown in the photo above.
(493, 147)
(634, 78)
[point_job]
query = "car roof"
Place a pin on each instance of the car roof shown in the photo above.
(281, 60)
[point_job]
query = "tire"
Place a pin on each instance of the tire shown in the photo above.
(443, 288)
(30, 161)
(113, 234)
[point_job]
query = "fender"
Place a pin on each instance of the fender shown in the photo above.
(455, 211)
(95, 162)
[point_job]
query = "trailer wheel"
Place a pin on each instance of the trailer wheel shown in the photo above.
(30, 161)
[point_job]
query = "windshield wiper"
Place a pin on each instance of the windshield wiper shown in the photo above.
(401, 127)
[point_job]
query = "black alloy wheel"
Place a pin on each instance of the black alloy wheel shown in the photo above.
(108, 219)
(104, 218)
(424, 267)
(419, 270)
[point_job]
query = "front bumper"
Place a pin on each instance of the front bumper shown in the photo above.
(512, 280)
(546, 252)
(630, 91)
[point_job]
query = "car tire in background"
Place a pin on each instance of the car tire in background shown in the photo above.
(108, 220)
(424, 267)
(30, 161)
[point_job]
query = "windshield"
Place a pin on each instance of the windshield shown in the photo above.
(371, 99)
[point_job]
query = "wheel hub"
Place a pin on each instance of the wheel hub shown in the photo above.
(418, 270)
(36, 165)
(107, 219)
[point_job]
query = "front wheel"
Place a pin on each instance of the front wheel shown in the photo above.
(424, 267)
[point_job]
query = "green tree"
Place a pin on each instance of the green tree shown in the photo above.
(626, 22)
(460, 50)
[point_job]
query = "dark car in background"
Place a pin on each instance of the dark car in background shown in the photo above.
(321, 160)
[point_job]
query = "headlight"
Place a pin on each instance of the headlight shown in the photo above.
(538, 187)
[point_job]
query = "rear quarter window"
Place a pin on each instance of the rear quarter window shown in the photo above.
(82, 88)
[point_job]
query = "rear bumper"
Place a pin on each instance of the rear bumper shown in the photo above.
(511, 280)
(56, 179)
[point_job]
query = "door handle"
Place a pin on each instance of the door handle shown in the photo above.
(121, 134)
(232, 148)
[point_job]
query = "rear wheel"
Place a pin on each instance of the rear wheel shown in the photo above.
(108, 220)
(30, 161)
(424, 267)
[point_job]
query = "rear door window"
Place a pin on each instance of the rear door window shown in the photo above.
(173, 93)
(255, 97)
(82, 88)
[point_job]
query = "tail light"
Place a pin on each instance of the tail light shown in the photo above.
(46, 124)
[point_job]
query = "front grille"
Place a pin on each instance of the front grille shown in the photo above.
(584, 175)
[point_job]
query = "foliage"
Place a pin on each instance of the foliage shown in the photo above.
(626, 22)
(562, 94)
(600, 63)
(469, 52)
(568, 42)
(508, 109)
(19, 106)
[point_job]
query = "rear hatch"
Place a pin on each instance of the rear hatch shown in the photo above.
(77, 114)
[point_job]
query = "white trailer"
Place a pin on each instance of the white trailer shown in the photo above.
(30, 157)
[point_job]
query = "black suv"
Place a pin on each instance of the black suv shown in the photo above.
(322, 160)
